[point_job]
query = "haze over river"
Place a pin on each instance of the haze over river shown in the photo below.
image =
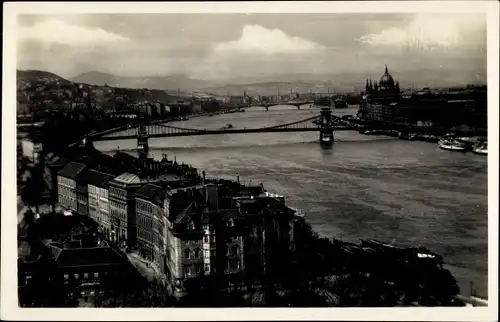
(363, 187)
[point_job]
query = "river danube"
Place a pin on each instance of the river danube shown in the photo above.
(363, 187)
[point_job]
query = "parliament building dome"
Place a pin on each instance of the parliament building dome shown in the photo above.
(386, 80)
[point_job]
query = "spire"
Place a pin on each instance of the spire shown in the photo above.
(386, 71)
(366, 86)
(371, 84)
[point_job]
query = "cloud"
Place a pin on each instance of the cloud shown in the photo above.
(430, 31)
(59, 32)
(257, 39)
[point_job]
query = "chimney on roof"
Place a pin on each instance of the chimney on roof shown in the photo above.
(238, 178)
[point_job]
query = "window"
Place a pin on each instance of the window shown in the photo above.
(207, 254)
(230, 222)
(207, 268)
(66, 276)
(235, 250)
(205, 239)
(187, 254)
(76, 275)
(191, 226)
(196, 253)
(96, 275)
(188, 271)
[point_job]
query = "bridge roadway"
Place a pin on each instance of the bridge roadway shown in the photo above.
(190, 132)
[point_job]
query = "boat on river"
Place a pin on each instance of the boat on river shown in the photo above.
(481, 148)
(453, 145)
(227, 126)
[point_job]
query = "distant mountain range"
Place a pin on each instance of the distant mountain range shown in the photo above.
(269, 85)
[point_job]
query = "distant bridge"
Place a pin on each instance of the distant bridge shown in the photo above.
(268, 104)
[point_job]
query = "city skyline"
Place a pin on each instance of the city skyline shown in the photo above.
(225, 46)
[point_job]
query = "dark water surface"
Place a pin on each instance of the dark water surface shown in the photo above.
(363, 187)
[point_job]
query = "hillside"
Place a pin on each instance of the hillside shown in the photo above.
(168, 83)
(42, 86)
(37, 75)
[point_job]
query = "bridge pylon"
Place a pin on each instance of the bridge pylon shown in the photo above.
(142, 141)
(326, 126)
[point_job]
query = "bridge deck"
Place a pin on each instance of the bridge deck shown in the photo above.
(133, 133)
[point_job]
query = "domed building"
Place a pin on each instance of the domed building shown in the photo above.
(385, 88)
(380, 100)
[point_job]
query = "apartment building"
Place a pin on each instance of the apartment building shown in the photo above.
(98, 199)
(240, 240)
(68, 180)
(151, 224)
(122, 208)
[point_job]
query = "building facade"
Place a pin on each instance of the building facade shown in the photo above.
(98, 199)
(122, 209)
(380, 101)
(234, 239)
(68, 179)
(151, 224)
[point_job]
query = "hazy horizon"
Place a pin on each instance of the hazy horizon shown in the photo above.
(223, 46)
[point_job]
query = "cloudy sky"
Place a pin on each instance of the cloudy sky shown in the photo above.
(213, 46)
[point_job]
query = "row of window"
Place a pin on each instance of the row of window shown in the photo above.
(66, 181)
(150, 237)
(98, 191)
(194, 270)
(115, 214)
(117, 192)
(193, 254)
(145, 206)
(145, 222)
(118, 205)
(85, 275)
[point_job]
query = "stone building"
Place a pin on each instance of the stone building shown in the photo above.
(381, 100)
(98, 195)
(224, 234)
(68, 182)
(151, 224)
(122, 208)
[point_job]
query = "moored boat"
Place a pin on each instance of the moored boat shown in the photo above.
(453, 145)
(481, 148)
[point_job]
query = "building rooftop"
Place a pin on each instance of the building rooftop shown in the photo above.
(127, 178)
(72, 170)
(151, 192)
(99, 179)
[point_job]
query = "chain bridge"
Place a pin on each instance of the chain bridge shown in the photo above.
(325, 124)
